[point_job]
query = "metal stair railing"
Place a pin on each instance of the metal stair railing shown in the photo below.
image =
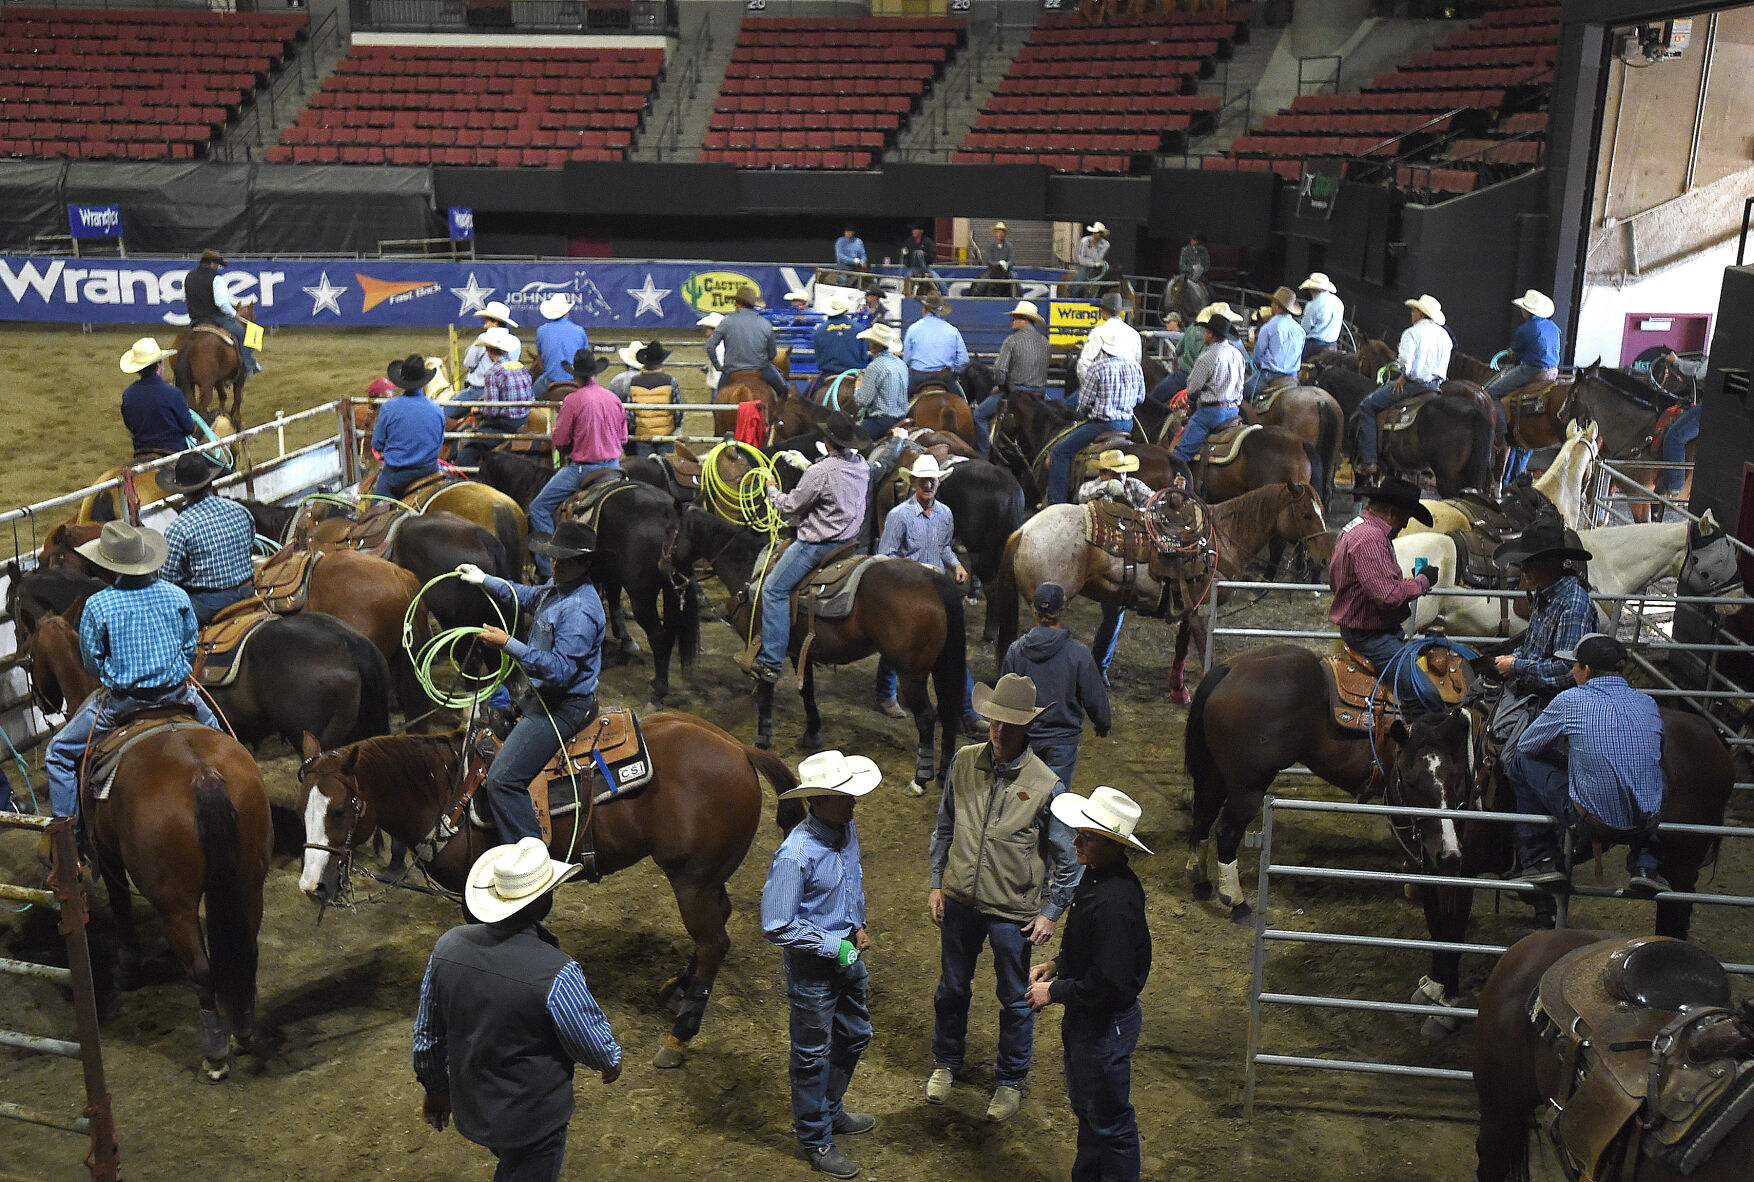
(688, 79)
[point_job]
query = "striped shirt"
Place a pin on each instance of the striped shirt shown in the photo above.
(1113, 388)
(210, 546)
(1217, 376)
(1611, 739)
(139, 638)
(1562, 616)
(815, 892)
(1024, 359)
(927, 538)
(882, 388)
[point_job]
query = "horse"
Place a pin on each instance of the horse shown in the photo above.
(1517, 1072)
(1309, 412)
(747, 385)
(936, 407)
(695, 820)
(1187, 296)
(1027, 426)
(472, 500)
(207, 362)
(907, 612)
(1560, 489)
(995, 283)
(1451, 435)
(1631, 414)
(1052, 547)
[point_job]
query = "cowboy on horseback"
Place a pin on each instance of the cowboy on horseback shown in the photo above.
(507, 381)
(590, 431)
(1278, 345)
(154, 411)
(1423, 359)
(749, 342)
(880, 397)
(558, 340)
(1022, 364)
(210, 303)
(1323, 315)
(837, 341)
(139, 637)
(1113, 326)
(1106, 402)
(410, 430)
(212, 541)
(1371, 599)
(1194, 260)
(1535, 349)
(1091, 255)
(1215, 385)
(933, 348)
(1187, 352)
(921, 529)
(1114, 481)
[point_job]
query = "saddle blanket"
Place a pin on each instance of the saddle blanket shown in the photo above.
(104, 752)
(283, 583)
(219, 652)
(605, 761)
(832, 587)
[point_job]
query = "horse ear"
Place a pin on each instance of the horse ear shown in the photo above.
(308, 746)
(1398, 732)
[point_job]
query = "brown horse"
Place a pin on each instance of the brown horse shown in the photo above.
(472, 500)
(937, 408)
(1517, 1073)
(695, 819)
(1309, 412)
(1629, 411)
(207, 362)
(747, 385)
(1028, 425)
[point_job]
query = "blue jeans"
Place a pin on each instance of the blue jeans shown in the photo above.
(1067, 449)
(792, 568)
(830, 1029)
(246, 355)
(984, 413)
(961, 935)
(393, 482)
(1683, 431)
(104, 710)
(1544, 787)
(1260, 378)
(888, 682)
(526, 751)
(210, 603)
(1378, 647)
(1108, 635)
(774, 378)
(1099, 1084)
(1061, 757)
(877, 426)
(539, 1162)
(563, 484)
(1169, 387)
(1375, 402)
(917, 378)
(1090, 274)
(1201, 423)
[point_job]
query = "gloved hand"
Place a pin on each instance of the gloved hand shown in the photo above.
(1420, 566)
(795, 458)
(847, 956)
(471, 574)
(1179, 400)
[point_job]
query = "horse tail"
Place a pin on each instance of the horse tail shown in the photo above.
(1202, 765)
(950, 672)
(773, 769)
(372, 718)
(499, 559)
(184, 375)
(505, 528)
(1328, 444)
(1004, 598)
(1482, 428)
(231, 944)
(1317, 469)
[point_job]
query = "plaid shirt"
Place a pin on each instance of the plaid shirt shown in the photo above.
(507, 382)
(210, 545)
(139, 638)
(1610, 737)
(1112, 388)
(1562, 615)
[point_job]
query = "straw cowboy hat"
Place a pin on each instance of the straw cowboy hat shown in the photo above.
(192, 473)
(1535, 304)
(411, 373)
(1027, 310)
(496, 310)
(126, 549)
(1116, 460)
(1098, 228)
(881, 333)
(143, 353)
(926, 468)
(1011, 700)
(653, 354)
(554, 306)
(1106, 810)
(1221, 308)
(710, 320)
(840, 305)
(585, 364)
(1287, 299)
(1429, 306)
(571, 539)
(1113, 345)
(1538, 541)
(829, 773)
(1001, 226)
(1317, 281)
(498, 339)
(508, 878)
(630, 354)
(1402, 494)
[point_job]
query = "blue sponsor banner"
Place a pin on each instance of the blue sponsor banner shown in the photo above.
(462, 222)
(95, 221)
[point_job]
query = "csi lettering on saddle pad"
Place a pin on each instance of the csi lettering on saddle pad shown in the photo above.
(604, 761)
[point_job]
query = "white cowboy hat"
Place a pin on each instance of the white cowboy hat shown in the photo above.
(1317, 281)
(1028, 310)
(1098, 228)
(798, 293)
(1535, 304)
(554, 306)
(1428, 305)
(499, 338)
(926, 468)
(508, 878)
(710, 320)
(881, 333)
(497, 310)
(144, 352)
(630, 355)
(829, 773)
(1221, 308)
(126, 549)
(1113, 345)
(841, 305)
(1106, 810)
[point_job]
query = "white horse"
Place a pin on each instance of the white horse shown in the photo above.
(1562, 483)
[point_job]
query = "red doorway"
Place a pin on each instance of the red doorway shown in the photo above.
(1684, 332)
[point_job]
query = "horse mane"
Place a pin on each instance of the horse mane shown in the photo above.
(57, 586)
(387, 759)
(1630, 386)
(1257, 506)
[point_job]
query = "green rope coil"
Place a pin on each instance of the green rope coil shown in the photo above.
(443, 646)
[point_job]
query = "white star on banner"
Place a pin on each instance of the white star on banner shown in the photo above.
(650, 297)
(325, 295)
(473, 295)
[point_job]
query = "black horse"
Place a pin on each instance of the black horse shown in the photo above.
(995, 284)
(1451, 436)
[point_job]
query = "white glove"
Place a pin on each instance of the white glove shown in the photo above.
(795, 458)
(472, 574)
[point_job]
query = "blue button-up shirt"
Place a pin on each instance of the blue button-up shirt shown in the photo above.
(933, 343)
(565, 648)
(1279, 346)
(409, 431)
(557, 343)
(882, 388)
(139, 638)
(210, 545)
(1562, 616)
(1537, 343)
(838, 347)
(1611, 739)
(910, 532)
(1322, 317)
(849, 251)
(156, 415)
(1112, 389)
(815, 892)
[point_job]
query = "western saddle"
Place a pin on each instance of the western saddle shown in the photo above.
(104, 752)
(1172, 537)
(219, 653)
(1269, 393)
(1360, 699)
(605, 761)
(594, 491)
(283, 583)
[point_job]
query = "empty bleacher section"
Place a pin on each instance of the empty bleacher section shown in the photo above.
(825, 92)
(118, 84)
(1104, 98)
(1448, 121)
(467, 105)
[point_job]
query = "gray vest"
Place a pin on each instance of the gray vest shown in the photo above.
(511, 1081)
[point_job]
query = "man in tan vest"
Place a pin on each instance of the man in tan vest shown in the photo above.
(992, 850)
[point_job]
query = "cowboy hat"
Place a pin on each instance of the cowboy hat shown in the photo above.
(1317, 281)
(585, 364)
(880, 333)
(554, 306)
(1262, 314)
(571, 539)
(1287, 299)
(411, 373)
(710, 320)
(1012, 700)
(1113, 302)
(1541, 541)
(380, 388)
(1598, 650)
(840, 305)
(829, 773)
(653, 354)
(144, 352)
(1097, 228)
(1400, 493)
(630, 354)
(1027, 310)
(508, 878)
(192, 472)
(799, 295)
(1429, 306)
(1210, 310)
(498, 338)
(212, 256)
(126, 549)
(1114, 345)
(1116, 460)
(1001, 226)
(841, 430)
(1106, 810)
(1535, 304)
(926, 468)
(932, 301)
(496, 310)
(748, 295)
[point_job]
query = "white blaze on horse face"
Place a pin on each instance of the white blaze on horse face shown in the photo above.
(1447, 844)
(316, 861)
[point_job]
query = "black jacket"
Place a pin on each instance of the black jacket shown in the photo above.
(1105, 954)
(1065, 674)
(198, 295)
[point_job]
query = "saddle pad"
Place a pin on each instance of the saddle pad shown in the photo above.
(832, 587)
(1225, 444)
(1402, 414)
(103, 754)
(1662, 428)
(682, 477)
(1117, 529)
(283, 583)
(605, 761)
(220, 650)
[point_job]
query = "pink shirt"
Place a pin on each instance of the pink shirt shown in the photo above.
(1369, 592)
(591, 426)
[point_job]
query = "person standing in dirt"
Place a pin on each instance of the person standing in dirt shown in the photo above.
(1065, 673)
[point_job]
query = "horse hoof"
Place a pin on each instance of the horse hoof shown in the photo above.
(672, 1054)
(1202, 891)
(242, 1045)
(1179, 695)
(1241, 913)
(1435, 1029)
(809, 743)
(629, 649)
(215, 1070)
(764, 742)
(914, 788)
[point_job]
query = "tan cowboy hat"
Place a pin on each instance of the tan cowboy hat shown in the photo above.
(1097, 228)
(1221, 308)
(829, 773)
(1116, 460)
(1001, 226)
(926, 468)
(630, 355)
(1012, 700)
(126, 549)
(881, 333)
(1427, 305)
(1107, 811)
(497, 310)
(1535, 304)
(710, 320)
(1287, 299)
(554, 306)
(1317, 281)
(508, 878)
(747, 296)
(144, 352)
(840, 305)
(1027, 310)
(499, 338)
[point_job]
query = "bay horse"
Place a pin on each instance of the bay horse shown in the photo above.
(1308, 412)
(936, 407)
(1052, 548)
(906, 612)
(207, 363)
(1630, 412)
(695, 820)
(747, 385)
(1028, 425)
(1451, 436)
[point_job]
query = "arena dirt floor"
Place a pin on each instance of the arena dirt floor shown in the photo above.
(329, 1094)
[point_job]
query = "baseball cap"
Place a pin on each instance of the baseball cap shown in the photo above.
(1050, 599)
(1597, 650)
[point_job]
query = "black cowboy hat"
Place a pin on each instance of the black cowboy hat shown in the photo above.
(572, 539)
(653, 354)
(1401, 493)
(192, 473)
(841, 431)
(585, 364)
(1538, 541)
(411, 373)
